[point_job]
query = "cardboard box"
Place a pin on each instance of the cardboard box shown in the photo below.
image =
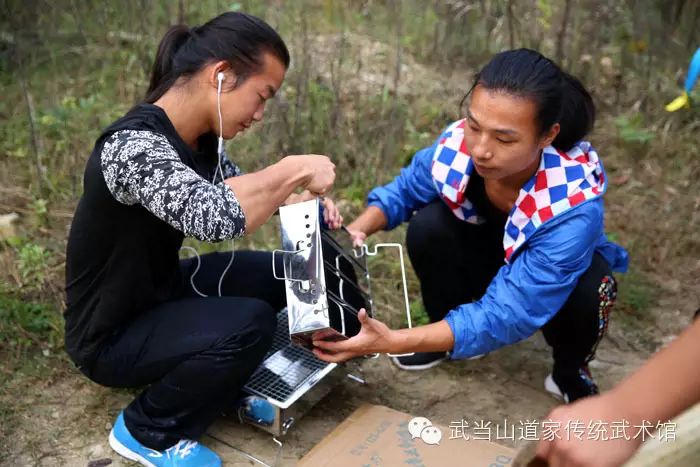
(379, 436)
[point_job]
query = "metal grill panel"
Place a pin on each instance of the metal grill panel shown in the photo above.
(286, 366)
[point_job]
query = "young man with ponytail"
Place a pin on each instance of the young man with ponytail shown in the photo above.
(138, 316)
(505, 231)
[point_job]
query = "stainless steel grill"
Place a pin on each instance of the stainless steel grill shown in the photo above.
(286, 369)
(327, 283)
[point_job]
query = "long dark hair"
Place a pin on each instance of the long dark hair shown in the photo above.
(238, 38)
(559, 96)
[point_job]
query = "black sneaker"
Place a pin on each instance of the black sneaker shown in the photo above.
(420, 360)
(571, 385)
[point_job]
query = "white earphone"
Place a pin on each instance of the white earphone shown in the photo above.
(220, 78)
(220, 151)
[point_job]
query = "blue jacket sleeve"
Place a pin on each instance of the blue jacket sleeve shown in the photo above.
(527, 293)
(411, 190)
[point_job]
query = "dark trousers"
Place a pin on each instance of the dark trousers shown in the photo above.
(455, 261)
(195, 353)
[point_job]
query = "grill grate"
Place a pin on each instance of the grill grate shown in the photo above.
(285, 368)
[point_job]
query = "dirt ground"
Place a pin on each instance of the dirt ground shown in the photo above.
(65, 420)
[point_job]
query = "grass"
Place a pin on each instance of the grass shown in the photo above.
(371, 82)
(343, 96)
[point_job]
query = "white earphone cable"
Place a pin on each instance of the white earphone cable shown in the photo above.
(219, 170)
(220, 148)
(230, 262)
(196, 270)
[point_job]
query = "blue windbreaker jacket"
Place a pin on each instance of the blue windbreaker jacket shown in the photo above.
(550, 237)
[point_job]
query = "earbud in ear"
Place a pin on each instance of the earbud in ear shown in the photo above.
(220, 78)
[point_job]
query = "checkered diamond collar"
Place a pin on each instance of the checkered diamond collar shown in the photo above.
(562, 181)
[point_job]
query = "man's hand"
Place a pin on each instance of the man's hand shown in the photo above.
(358, 237)
(318, 170)
(587, 451)
(331, 214)
(374, 337)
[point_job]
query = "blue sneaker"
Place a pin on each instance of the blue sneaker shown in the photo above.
(186, 453)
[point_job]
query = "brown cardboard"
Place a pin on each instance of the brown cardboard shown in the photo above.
(526, 456)
(375, 435)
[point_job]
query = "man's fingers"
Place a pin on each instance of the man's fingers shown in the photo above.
(325, 356)
(336, 218)
(326, 345)
(556, 460)
(358, 239)
(331, 214)
(362, 316)
(331, 346)
(543, 448)
(332, 357)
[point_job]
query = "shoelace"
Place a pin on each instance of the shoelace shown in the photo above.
(183, 447)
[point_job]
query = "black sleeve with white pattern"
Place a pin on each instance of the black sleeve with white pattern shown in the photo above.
(229, 168)
(143, 167)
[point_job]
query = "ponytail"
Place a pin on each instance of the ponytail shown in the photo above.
(577, 115)
(238, 38)
(162, 76)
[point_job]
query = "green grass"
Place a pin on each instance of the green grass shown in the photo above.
(84, 65)
(27, 327)
(419, 316)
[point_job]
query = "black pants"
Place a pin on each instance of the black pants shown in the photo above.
(195, 353)
(455, 261)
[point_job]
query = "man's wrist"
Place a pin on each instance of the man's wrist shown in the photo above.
(626, 407)
(355, 227)
(396, 342)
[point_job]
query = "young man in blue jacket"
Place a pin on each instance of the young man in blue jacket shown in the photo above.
(506, 229)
